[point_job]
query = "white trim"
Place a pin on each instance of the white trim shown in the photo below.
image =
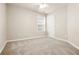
(66, 41)
(26, 38)
(39, 37)
(58, 38)
(73, 44)
(3, 46)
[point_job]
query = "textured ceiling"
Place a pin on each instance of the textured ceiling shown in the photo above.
(35, 7)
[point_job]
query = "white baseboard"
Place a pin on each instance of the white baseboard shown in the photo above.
(58, 38)
(3, 46)
(39, 37)
(26, 38)
(73, 45)
(66, 41)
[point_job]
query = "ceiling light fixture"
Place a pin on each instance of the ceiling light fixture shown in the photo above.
(43, 6)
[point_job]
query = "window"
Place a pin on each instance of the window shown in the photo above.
(41, 23)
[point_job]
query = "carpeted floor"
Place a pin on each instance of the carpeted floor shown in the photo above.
(41, 46)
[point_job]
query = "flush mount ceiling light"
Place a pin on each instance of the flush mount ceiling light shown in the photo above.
(41, 6)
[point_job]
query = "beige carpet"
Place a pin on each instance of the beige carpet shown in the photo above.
(42, 46)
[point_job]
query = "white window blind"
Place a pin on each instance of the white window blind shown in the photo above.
(40, 23)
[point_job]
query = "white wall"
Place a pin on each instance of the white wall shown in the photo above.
(3, 24)
(60, 22)
(22, 23)
(51, 25)
(73, 23)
